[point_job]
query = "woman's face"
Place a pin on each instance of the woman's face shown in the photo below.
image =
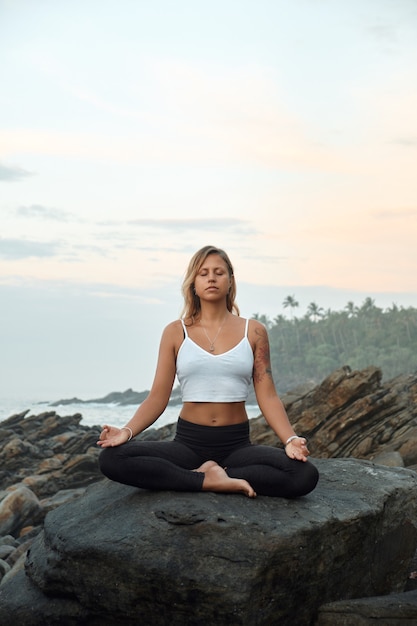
(212, 280)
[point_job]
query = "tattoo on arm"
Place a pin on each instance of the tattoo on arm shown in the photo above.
(262, 364)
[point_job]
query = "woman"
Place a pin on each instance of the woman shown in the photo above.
(215, 354)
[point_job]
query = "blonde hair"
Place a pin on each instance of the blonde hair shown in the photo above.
(192, 305)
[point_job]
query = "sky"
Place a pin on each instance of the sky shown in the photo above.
(133, 132)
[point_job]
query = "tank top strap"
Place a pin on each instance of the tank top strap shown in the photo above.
(246, 327)
(184, 328)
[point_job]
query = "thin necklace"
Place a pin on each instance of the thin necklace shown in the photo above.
(213, 341)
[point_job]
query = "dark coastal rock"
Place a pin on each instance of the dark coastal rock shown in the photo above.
(27, 602)
(66, 401)
(48, 452)
(45, 461)
(396, 609)
(115, 397)
(120, 555)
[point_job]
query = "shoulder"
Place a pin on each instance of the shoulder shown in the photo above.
(257, 330)
(172, 337)
(175, 325)
(173, 332)
(258, 336)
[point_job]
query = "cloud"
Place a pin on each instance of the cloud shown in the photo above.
(37, 211)
(237, 225)
(16, 249)
(13, 173)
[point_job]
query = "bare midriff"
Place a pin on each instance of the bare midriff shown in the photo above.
(214, 413)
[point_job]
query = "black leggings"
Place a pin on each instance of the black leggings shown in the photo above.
(166, 465)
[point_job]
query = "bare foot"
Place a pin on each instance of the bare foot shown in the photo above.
(205, 466)
(216, 479)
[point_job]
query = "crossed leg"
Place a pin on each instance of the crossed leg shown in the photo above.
(167, 465)
(270, 472)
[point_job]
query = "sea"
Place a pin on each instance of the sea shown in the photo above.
(94, 414)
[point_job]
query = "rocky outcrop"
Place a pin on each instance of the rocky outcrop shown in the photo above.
(47, 452)
(47, 461)
(354, 414)
(120, 555)
(115, 397)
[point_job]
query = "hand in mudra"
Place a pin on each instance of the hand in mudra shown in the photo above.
(297, 449)
(111, 436)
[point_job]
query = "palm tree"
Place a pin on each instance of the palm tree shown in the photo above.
(351, 309)
(315, 311)
(291, 302)
(368, 306)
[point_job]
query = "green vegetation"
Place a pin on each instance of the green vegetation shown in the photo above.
(307, 349)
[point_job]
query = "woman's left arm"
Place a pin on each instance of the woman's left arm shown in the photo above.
(268, 400)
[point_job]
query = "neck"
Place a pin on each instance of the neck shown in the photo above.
(213, 314)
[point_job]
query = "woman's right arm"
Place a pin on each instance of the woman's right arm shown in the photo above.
(156, 401)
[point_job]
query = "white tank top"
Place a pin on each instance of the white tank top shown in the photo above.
(206, 377)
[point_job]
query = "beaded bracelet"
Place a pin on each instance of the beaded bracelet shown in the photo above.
(130, 431)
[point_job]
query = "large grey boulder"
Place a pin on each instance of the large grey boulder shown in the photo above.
(119, 555)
